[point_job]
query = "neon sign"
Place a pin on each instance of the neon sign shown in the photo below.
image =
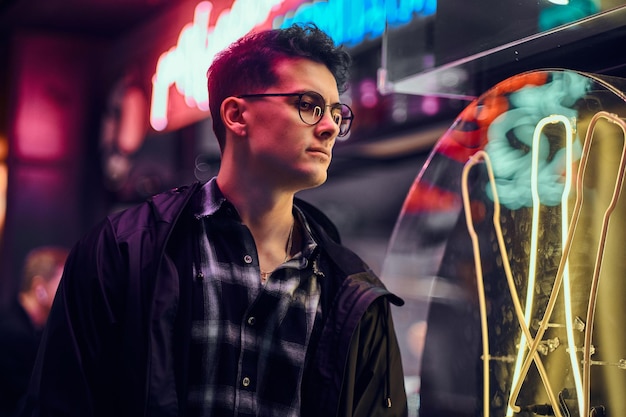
(351, 22)
(539, 261)
(184, 65)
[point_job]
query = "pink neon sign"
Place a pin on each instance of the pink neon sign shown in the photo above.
(184, 65)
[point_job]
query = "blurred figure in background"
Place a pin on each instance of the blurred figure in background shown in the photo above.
(22, 322)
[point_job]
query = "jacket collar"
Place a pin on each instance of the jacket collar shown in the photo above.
(211, 199)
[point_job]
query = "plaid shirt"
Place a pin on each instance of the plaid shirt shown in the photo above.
(249, 340)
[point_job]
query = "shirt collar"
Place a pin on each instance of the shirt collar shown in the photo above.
(308, 241)
(211, 199)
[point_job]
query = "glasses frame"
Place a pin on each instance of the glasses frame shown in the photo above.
(323, 110)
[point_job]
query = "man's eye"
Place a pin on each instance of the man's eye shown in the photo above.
(306, 105)
(337, 116)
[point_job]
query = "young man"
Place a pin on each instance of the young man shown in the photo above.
(232, 297)
(23, 321)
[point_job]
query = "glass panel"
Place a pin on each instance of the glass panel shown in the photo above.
(443, 53)
(511, 241)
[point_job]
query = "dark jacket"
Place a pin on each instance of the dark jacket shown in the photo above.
(117, 338)
(19, 340)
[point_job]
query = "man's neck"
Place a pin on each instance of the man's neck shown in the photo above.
(260, 206)
(268, 214)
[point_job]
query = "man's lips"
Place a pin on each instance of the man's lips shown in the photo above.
(323, 151)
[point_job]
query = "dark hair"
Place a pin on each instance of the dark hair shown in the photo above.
(247, 65)
(44, 262)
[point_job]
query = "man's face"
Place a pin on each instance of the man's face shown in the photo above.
(285, 151)
(51, 288)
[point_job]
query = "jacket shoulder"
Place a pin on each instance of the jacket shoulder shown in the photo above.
(313, 214)
(161, 208)
(357, 278)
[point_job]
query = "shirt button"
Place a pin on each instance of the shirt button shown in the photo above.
(252, 321)
(247, 259)
(245, 381)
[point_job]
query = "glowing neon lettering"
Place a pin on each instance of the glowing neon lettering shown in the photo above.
(350, 22)
(185, 64)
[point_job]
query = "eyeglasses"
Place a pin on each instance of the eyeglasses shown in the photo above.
(312, 106)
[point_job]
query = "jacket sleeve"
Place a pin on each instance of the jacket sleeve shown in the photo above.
(81, 326)
(373, 384)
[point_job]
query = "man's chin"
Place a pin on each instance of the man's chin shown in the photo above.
(315, 182)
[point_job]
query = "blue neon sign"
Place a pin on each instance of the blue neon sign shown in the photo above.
(350, 22)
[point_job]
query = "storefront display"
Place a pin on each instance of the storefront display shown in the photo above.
(508, 251)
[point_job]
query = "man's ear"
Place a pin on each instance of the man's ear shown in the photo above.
(232, 113)
(40, 290)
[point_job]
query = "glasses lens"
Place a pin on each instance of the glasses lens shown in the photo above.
(311, 107)
(345, 117)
